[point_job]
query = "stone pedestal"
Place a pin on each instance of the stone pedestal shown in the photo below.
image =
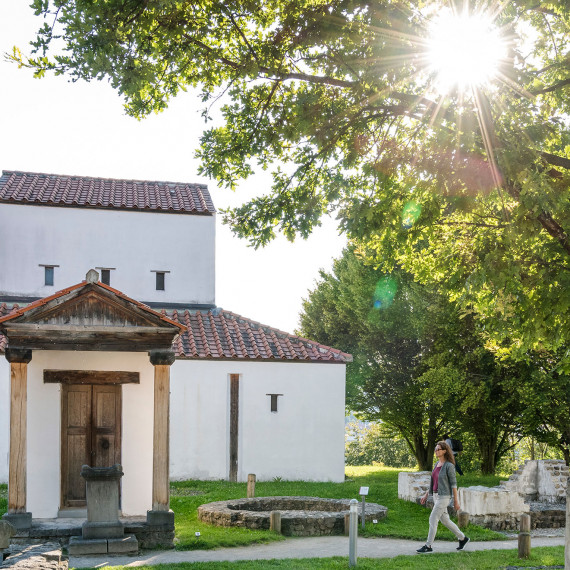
(160, 518)
(20, 521)
(103, 532)
(102, 490)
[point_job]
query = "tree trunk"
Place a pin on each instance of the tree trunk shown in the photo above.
(487, 447)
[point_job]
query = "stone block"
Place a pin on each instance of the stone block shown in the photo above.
(20, 521)
(160, 518)
(78, 546)
(481, 500)
(125, 545)
(7, 531)
(413, 485)
(103, 530)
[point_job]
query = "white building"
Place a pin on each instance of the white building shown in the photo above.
(91, 360)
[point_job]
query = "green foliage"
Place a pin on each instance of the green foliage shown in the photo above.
(420, 366)
(464, 190)
(368, 444)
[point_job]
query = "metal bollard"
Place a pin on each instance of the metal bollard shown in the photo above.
(353, 533)
(524, 537)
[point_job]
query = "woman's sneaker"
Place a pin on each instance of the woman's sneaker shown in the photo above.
(463, 543)
(425, 548)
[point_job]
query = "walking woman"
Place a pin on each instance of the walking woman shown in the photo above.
(443, 484)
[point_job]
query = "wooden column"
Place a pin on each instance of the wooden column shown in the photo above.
(234, 425)
(18, 359)
(161, 360)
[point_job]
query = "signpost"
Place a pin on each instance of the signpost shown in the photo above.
(363, 492)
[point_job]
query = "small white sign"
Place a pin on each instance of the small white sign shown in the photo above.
(363, 491)
(197, 533)
(374, 521)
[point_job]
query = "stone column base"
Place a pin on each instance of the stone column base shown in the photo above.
(160, 518)
(20, 521)
(103, 530)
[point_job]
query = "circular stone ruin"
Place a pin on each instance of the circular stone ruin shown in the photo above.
(300, 516)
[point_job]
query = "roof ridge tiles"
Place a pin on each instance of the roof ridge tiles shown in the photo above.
(96, 192)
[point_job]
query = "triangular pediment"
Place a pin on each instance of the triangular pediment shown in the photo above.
(89, 316)
(92, 308)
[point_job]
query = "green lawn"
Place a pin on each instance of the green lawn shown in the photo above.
(404, 520)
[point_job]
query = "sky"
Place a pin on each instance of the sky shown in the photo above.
(55, 126)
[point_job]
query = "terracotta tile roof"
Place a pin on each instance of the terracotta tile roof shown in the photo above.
(219, 334)
(222, 334)
(81, 191)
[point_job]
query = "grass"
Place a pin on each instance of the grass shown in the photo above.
(483, 560)
(404, 520)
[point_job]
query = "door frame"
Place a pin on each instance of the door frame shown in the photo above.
(93, 378)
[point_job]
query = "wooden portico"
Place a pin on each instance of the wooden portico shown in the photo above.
(89, 316)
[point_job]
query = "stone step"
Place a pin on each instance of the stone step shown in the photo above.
(35, 556)
(87, 546)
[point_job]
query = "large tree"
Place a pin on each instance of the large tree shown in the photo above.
(384, 322)
(467, 189)
(417, 366)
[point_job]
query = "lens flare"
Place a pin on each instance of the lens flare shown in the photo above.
(410, 214)
(385, 292)
(465, 49)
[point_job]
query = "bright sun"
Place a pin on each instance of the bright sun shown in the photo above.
(464, 50)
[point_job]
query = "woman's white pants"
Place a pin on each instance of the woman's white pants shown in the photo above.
(439, 513)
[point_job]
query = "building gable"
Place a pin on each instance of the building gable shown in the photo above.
(89, 316)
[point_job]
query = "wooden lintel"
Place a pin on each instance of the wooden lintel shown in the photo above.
(90, 377)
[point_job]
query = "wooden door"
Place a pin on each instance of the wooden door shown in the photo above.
(91, 435)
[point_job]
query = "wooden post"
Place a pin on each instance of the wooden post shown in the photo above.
(346, 524)
(234, 425)
(161, 361)
(18, 425)
(275, 521)
(462, 519)
(17, 469)
(524, 537)
(18, 436)
(251, 486)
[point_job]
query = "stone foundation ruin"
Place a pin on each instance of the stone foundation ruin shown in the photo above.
(300, 516)
(537, 488)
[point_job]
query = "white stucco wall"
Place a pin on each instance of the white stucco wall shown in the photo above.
(303, 440)
(44, 428)
(135, 243)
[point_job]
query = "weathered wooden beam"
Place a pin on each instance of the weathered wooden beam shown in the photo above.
(18, 435)
(90, 377)
(161, 439)
(234, 423)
